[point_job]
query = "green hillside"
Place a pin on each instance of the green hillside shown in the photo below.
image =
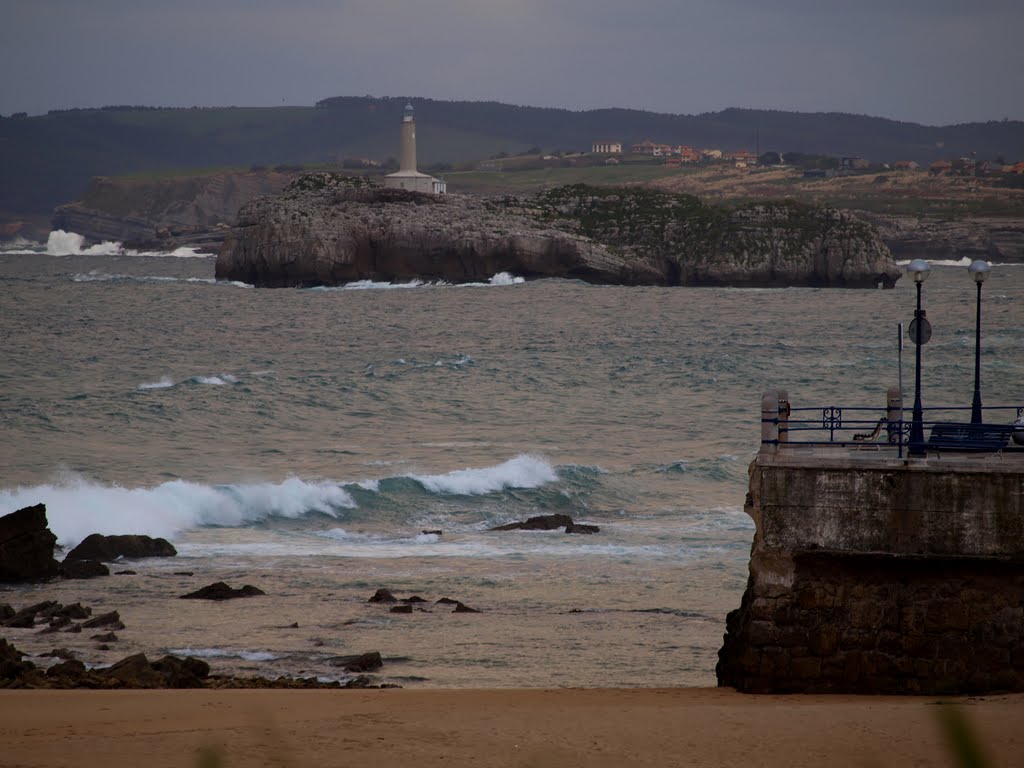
(49, 159)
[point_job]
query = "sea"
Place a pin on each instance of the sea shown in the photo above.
(322, 444)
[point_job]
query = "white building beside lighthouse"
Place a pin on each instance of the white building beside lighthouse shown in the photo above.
(407, 176)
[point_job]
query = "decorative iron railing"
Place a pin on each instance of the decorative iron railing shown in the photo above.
(945, 428)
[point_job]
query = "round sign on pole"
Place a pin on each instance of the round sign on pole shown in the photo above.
(926, 330)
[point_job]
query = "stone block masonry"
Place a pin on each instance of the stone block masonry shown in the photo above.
(881, 575)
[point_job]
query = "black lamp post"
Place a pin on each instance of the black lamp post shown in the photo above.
(979, 271)
(921, 331)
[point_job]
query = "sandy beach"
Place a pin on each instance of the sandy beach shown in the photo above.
(593, 727)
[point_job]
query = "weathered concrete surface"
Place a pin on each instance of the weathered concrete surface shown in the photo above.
(885, 576)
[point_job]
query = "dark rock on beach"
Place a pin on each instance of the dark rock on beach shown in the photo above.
(83, 569)
(103, 620)
(538, 523)
(221, 591)
(364, 662)
(26, 617)
(137, 671)
(26, 546)
(383, 596)
(463, 608)
(107, 548)
(549, 523)
(401, 609)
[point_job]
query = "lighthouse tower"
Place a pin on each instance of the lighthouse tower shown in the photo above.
(407, 154)
(408, 177)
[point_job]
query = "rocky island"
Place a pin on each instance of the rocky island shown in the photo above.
(328, 229)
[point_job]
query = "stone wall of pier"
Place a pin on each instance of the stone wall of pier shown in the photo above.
(881, 575)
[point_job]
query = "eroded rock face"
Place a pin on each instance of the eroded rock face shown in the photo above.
(342, 234)
(328, 230)
(997, 239)
(191, 211)
(26, 546)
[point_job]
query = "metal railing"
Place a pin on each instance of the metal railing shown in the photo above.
(945, 428)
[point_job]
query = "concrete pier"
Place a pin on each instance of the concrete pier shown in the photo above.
(874, 573)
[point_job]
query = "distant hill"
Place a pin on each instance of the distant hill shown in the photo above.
(49, 159)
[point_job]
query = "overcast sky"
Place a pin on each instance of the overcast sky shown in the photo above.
(928, 61)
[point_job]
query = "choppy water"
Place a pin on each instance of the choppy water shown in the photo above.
(302, 441)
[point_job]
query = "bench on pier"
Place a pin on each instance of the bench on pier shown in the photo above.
(969, 437)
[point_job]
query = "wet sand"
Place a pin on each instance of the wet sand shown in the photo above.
(624, 727)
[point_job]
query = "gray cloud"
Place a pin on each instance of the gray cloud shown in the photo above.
(921, 60)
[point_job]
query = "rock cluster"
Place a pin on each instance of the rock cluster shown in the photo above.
(327, 230)
(137, 671)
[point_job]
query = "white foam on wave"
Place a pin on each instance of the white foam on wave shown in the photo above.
(218, 381)
(215, 380)
(76, 508)
(61, 243)
(524, 471)
(502, 278)
(223, 653)
(163, 383)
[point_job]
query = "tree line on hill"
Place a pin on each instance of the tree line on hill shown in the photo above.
(49, 159)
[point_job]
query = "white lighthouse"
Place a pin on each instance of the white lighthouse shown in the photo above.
(407, 176)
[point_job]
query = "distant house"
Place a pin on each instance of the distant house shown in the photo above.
(990, 168)
(688, 154)
(673, 161)
(854, 163)
(1017, 168)
(940, 168)
(648, 147)
(906, 165)
(713, 154)
(606, 147)
(742, 158)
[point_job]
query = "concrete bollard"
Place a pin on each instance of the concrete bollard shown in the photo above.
(893, 413)
(783, 416)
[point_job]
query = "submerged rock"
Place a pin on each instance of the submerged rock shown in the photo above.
(537, 523)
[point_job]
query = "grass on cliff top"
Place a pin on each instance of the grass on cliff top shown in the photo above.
(527, 182)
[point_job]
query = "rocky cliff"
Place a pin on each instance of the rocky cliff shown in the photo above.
(997, 239)
(326, 229)
(166, 212)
